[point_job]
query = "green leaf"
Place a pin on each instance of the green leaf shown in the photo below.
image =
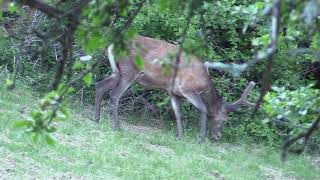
(35, 137)
(131, 33)
(205, 5)
(88, 79)
(96, 40)
(22, 123)
(139, 62)
(50, 139)
(65, 111)
(36, 115)
(60, 90)
(9, 84)
(259, 5)
(78, 65)
(12, 7)
(51, 129)
(71, 90)
(163, 4)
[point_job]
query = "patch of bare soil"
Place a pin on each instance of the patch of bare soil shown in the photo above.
(217, 175)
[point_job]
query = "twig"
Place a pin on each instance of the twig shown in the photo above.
(266, 83)
(133, 15)
(61, 63)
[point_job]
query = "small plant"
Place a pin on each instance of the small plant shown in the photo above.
(40, 124)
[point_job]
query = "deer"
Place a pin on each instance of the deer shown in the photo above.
(192, 82)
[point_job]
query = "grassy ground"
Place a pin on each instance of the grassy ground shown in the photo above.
(87, 150)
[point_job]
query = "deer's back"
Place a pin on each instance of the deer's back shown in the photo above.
(157, 56)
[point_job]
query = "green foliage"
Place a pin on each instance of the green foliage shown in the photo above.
(9, 83)
(294, 111)
(300, 107)
(242, 127)
(87, 79)
(7, 50)
(40, 124)
(139, 62)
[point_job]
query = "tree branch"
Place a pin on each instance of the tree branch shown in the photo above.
(180, 49)
(237, 69)
(267, 81)
(304, 135)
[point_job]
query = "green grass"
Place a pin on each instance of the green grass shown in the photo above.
(87, 150)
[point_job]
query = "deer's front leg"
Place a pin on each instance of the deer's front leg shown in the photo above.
(176, 105)
(196, 100)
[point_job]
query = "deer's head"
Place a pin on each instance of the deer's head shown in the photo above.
(219, 118)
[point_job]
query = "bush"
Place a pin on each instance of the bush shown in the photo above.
(296, 110)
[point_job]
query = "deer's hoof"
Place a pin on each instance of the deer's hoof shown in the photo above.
(215, 138)
(97, 120)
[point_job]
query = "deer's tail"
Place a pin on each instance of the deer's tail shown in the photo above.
(112, 60)
(206, 65)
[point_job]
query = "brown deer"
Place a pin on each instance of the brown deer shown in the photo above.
(192, 82)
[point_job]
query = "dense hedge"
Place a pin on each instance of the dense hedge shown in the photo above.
(231, 38)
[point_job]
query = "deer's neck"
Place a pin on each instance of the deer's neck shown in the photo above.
(213, 100)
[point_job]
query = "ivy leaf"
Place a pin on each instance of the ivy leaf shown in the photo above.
(139, 62)
(88, 79)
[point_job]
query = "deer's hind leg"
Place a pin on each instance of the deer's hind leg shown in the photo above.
(101, 88)
(116, 93)
(176, 105)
